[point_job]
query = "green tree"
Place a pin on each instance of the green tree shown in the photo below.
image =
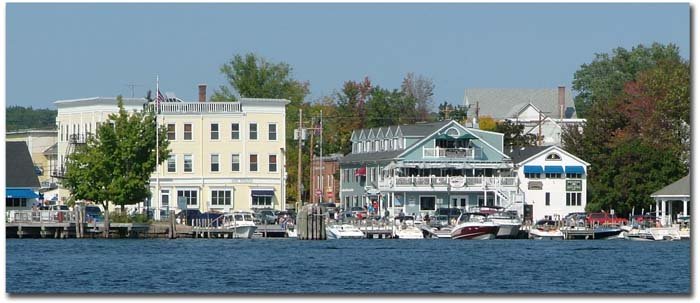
(18, 118)
(115, 166)
(513, 134)
(604, 78)
(252, 76)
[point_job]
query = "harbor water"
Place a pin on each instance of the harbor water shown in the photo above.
(346, 266)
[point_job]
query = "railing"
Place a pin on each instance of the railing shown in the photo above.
(40, 216)
(77, 139)
(452, 153)
(453, 181)
(198, 107)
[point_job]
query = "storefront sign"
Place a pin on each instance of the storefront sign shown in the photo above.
(534, 185)
(574, 185)
(457, 181)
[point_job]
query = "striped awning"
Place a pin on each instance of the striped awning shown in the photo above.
(262, 193)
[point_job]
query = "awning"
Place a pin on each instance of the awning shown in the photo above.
(21, 193)
(553, 169)
(467, 136)
(263, 193)
(444, 137)
(574, 169)
(361, 171)
(532, 169)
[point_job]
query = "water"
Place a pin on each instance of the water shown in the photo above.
(345, 266)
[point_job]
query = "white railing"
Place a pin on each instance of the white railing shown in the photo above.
(453, 181)
(198, 107)
(452, 153)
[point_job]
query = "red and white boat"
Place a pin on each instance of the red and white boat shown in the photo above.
(474, 226)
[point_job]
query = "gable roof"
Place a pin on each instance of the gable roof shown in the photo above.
(422, 129)
(529, 152)
(371, 156)
(680, 188)
(19, 167)
(502, 103)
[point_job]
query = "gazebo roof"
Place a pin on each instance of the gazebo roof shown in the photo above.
(678, 189)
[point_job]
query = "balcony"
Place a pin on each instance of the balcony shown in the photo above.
(452, 182)
(198, 107)
(453, 153)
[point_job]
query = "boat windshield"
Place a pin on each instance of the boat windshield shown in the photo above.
(238, 217)
(248, 217)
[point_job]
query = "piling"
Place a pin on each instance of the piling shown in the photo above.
(311, 223)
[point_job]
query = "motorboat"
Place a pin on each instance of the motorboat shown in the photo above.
(240, 222)
(546, 230)
(508, 224)
(405, 228)
(343, 231)
(474, 226)
(596, 233)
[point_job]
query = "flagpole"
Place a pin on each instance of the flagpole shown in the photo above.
(157, 150)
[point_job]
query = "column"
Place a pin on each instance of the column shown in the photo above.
(685, 207)
(663, 212)
(656, 212)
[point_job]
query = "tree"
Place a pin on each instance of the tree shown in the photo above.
(116, 165)
(252, 76)
(19, 118)
(513, 134)
(421, 90)
(604, 78)
(487, 123)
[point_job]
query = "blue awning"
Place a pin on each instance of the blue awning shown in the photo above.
(21, 193)
(532, 169)
(553, 169)
(263, 193)
(574, 170)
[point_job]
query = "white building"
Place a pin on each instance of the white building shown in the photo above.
(224, 155)
(553, 181)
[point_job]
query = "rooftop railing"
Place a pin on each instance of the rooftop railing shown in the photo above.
(198, 107)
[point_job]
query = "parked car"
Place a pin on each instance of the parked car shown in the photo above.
(267, 216)
(93, 214)
(605, 218)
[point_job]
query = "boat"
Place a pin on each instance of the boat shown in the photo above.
(508, 224)
(343, 231)
(474, 226)
(240, 222)
(546, 230)
(595, 233)
(405, 228)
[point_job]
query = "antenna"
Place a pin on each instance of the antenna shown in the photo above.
(131, 86)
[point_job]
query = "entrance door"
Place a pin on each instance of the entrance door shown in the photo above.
(165, 198)
(458, 202)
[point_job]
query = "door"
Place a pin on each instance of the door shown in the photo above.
(165, 198)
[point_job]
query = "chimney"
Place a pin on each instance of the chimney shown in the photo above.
(561, 101)
(202, 93)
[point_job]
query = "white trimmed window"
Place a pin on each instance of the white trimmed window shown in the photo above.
(253, 162)
(214, 131)
(235, 162)
(220, 197)
(172, 164)
(171, 132)
(272, 163)
(189, 195)
(214, 162)
(272, 132)
(253, 129)
(235, 131)
(187, 159)
(187, 131)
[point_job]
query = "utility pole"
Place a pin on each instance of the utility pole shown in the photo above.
(320, 161)
(311, 164)
(299, 164)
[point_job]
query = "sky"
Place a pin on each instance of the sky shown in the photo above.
(67, 51)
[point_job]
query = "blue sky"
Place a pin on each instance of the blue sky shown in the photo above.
(66, 51)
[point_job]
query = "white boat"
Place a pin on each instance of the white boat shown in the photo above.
(546, 230)
(474, 226)
(405, 228)
(343, 231)
(240, 222)
(508, 224)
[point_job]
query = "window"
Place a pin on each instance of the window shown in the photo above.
(386, 144)
(532, 175)
(220, 197)
(427, 203)
(253, 131)
(189, 195)
(546, 199)
(235, 162)
(16, 202)
(395, 144)
(272, 132)
(235, 131)
(253, 162)
(215, 162)
(171, 132)
(215, 131)
(172, 163)
(573, 199)
(262, 201)
(574, 176)
(272, 163)
(553, 175)
(188, 131)
(188, 163)
(553, 157)
(376, 145)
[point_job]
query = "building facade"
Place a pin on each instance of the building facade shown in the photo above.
(416, 169)
(325, 178)
(22, 183)
(39, 143)
(554, 182)
(224, 155)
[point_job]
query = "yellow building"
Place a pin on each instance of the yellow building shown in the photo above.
(224, 155)
(39, 143)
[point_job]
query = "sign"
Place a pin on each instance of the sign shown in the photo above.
(574, 185)
(534, 185)
(181, 202)
(457, 181)
(318, 192)
(329, 194)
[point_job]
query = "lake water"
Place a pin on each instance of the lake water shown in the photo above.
(346, 266)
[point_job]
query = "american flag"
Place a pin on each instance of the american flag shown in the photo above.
(160, 98)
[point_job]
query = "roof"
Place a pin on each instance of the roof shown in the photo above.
(369, 157)
(19, 168)
(520, 154)
(52, 150)
(501, 103)
(422, 129)
(680, 188)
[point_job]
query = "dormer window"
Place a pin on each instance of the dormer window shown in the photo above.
(553, 157)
